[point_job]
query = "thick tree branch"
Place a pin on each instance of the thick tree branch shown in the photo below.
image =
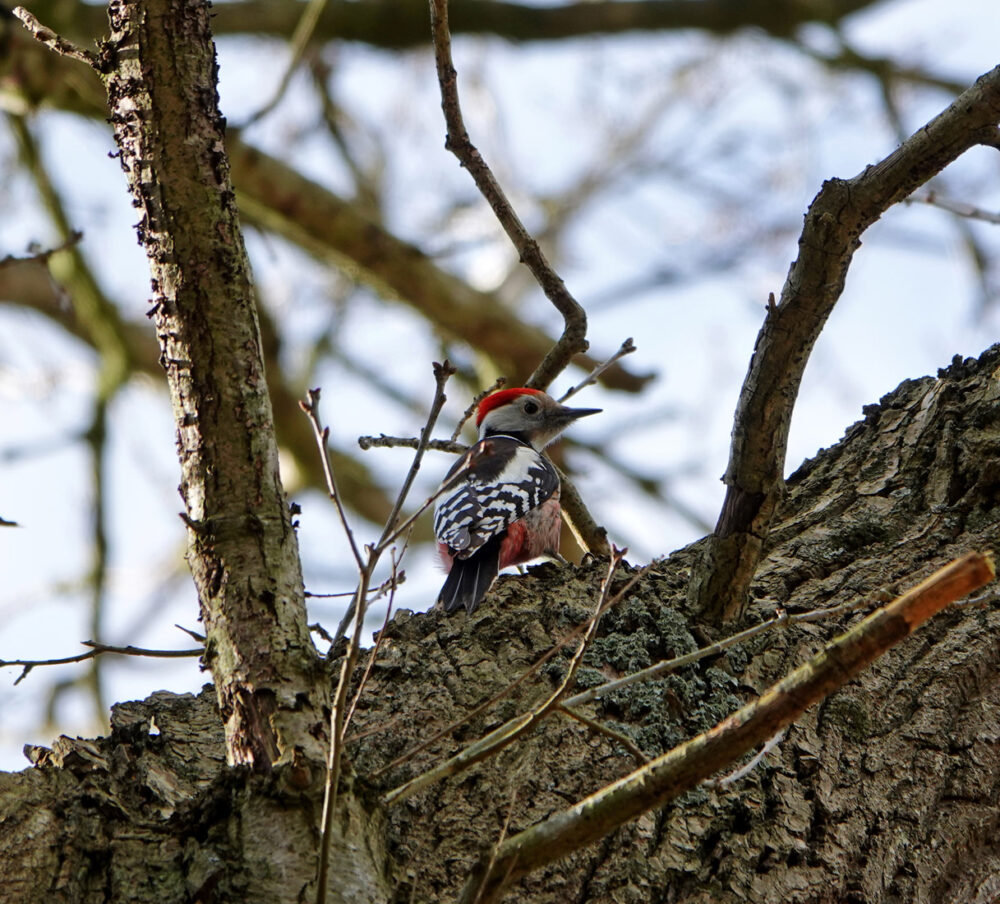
(838, 216)
(684, 767)
(397, 24)
(160, 80)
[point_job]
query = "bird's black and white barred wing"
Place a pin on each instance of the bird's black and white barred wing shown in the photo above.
(506, 480)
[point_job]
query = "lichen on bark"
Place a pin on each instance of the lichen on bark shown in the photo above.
(888, 791)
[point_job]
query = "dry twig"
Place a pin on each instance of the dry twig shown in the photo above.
(574, 338)
(96, 649)
(54, 42)
(498, 383)
(626, 348)
(515, 728)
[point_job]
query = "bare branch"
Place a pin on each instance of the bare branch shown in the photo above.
(442, 372)
(726, 780)
(626, 349)
(42, 257)
(682, 768)
(838, 216)
(409, 442)
(959, 208)
(303, 33)
(607, 731)
(55, 42)
(378, 645)
(311, 409)
(574, 338)
(498, 383)
(96, 649)
(389, 584)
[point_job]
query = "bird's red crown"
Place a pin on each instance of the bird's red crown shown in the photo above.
(496, 399)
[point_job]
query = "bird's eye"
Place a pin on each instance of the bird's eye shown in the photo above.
(531, 407)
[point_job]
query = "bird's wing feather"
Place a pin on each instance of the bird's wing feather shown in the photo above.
(506, 480)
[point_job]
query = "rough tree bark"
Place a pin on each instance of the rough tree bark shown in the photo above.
(888, 791)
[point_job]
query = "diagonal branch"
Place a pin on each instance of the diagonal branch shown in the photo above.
(682, 768)
(574, 338)
(838, 216)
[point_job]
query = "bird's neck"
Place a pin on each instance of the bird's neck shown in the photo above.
(517, 435)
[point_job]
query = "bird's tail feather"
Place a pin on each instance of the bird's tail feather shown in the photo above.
(470, 578)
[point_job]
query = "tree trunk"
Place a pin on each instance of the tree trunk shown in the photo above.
(888, 791)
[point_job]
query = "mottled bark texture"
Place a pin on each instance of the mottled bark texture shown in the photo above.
(160, 74)
(888, 791)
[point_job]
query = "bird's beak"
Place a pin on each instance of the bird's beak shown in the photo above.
(563, 415)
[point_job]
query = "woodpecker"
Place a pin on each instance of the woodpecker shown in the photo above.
(504, 509)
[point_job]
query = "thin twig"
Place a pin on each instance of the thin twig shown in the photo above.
(442, 372)
(322, 434)
(515, 728)
(194, 635)
(959, 208)
(374, 652)
(665, 666)
(574, 337)
(498, 383)
(388, 538)
(510, 688)
(335, 758)
(300, 39)
(409, 442)
(725, 781)
(390, 583)
(600, 728)
(321, 631)
(53, 41)
(382, 441)
(503, 832)
(626, 349)
(42, 257)
(96, 649)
